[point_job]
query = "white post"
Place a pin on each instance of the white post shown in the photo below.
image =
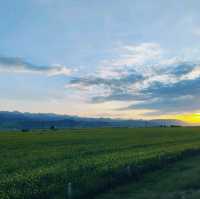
(129, 171)
(69, 190)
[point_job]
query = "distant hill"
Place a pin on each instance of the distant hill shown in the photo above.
(18, 120)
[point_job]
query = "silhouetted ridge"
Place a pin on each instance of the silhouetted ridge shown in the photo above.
(18, 120)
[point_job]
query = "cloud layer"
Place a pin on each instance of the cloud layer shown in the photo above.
(144, 78)
(144, 75)
(18, 65)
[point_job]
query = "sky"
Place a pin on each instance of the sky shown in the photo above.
(136, 59)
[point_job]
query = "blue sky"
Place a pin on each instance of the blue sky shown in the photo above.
(129, 59)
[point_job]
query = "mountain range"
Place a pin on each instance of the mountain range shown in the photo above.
(19, 120)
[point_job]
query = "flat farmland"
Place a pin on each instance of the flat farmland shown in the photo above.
(80, 163)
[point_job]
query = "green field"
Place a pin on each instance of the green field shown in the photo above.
(41, 164)
(177, 181)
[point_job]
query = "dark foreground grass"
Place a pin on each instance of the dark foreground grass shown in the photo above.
(40, 165)
(180, 180)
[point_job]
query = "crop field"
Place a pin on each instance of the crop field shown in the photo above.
(179, 180)
(80, 163)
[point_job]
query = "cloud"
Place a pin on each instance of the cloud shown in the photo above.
(120, 96)
(145, 78)
(105, 86)
(179, 97)
(139, 58)
(196, 31)
(181, 88)
(137, 54)
(141, 87)
(111, 82)
(180, 68)
(18, 65)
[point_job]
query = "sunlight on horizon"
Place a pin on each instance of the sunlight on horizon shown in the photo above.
(190, 118)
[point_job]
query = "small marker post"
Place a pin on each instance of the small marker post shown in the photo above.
(129, 170)
(69, 190)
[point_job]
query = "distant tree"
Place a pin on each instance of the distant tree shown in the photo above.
(174, 126)
(163, 126)
(52, 128)
(25, 130)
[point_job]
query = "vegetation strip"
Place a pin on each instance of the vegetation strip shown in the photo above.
(178, 180)
(64, 164)
(134, 173)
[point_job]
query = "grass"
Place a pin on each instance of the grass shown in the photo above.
(41, 164)
(177, 181)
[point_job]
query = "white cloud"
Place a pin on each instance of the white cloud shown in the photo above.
(59, 70)
(196, 31)
(141, 73)
(140, 58)
(149, 60)
(195, 73)
(137, 54)
(18, 65)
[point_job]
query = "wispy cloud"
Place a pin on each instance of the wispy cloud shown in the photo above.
(19, 65)
(196, 31)
(113, 83)
(132, 57)
(138, 54)
(145, 76)
(175, 98)
(100, 89)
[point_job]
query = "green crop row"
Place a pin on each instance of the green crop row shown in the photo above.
(82, 162)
